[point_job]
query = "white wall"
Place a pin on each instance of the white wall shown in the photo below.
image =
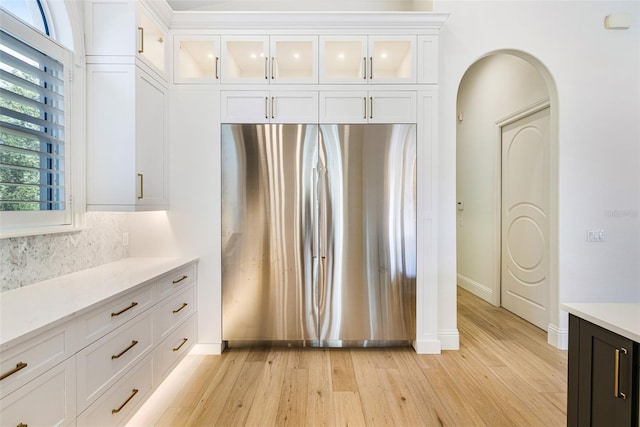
(597, 75)
(493, 88)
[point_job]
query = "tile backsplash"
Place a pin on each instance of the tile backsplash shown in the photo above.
(28, 260)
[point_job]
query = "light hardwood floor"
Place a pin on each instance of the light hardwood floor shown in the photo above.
(503, 375)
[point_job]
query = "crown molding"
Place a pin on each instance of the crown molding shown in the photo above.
(216, 20)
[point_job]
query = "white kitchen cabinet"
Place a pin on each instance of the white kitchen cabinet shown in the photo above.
(127, 147)
(428, 59)
(196, 59)
(287, 106)
(270, 59)
(368, 107)
(125, 28)
(49, 400)
(368, 59)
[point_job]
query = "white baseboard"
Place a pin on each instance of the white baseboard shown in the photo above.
(427, 347)
(476, 288)
(449, 339)
(209, 348)
(557, 337)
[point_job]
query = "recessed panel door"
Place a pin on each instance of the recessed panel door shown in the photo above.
(525, 218)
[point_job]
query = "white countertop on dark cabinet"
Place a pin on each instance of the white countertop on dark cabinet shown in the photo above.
(621, 318)
(31, 309)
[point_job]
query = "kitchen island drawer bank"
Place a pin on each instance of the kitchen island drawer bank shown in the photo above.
(73, 345)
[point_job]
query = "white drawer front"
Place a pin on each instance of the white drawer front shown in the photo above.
(102, 361)
(49, 400)
(174, 348)
(174, 310)
(27, 360)
(106, 318)
(117, 405)
(175, 280)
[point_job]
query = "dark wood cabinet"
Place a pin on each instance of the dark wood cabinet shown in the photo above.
(603, 377)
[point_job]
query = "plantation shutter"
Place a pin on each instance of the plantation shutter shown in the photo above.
(32, 150)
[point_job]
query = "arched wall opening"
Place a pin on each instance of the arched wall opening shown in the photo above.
(496, 87)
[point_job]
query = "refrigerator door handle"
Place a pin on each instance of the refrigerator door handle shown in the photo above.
(315, 216)
(322, 212)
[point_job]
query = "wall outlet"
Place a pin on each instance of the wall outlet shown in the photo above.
(595, 235)
(125, 239)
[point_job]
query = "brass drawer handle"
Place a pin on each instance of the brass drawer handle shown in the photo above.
(133, 393)
(19, 366)
(616, 379)
(117, 356)
(118, 313)
(184, 341)
(180, 279)
(141, 193)
(141, 50)
(22, 425)
(178, 310)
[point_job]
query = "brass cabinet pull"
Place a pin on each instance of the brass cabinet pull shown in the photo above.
(184, 341)
(266, 68)
(141, 193)
(371, 68)
(117, 356)
(217, 67)
(141, 50)
(364, 107)
(180, 279)
(22, 425)
(19, 366)
(118, 313)
(273, 73)
(273, 108)
(364, 68)
(371, 107)
(133, 393)
(178, 310)
(266, 107)
(616, 379)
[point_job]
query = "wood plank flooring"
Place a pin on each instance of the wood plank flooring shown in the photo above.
(503, 375)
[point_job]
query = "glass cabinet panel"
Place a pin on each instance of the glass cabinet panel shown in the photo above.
(151, 41)
(343, 59)
(245, 59)
(197, 59)
(294, 59)
(391, 59)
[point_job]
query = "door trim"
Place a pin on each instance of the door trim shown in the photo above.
(497, 244)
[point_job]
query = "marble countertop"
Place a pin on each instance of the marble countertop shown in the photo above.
(34, 308)
(621, 318)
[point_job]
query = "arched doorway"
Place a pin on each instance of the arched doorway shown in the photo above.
(507, 186)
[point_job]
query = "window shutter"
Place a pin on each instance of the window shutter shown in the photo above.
(32, 149)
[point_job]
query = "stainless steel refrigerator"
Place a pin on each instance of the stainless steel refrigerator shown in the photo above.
(318, 234)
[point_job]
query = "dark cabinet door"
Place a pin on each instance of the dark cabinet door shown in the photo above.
(603, 374)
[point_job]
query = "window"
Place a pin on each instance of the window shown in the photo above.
(34, 173)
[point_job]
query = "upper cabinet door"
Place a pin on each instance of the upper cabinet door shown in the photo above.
(245, 59)
(152, 45)
(294, 59)
(392, 59)
(368, 59)
(196, 59)
(343, 59)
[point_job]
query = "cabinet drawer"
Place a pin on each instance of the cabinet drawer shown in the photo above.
(23, 362)
(177, 279)
(106, 318)
(174, 310)
(117, 405)
(174, 348)
(49, 400)
(100, 363)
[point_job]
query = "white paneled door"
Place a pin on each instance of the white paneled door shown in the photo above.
(525, 217)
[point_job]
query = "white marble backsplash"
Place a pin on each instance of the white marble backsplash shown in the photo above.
(28, 260)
